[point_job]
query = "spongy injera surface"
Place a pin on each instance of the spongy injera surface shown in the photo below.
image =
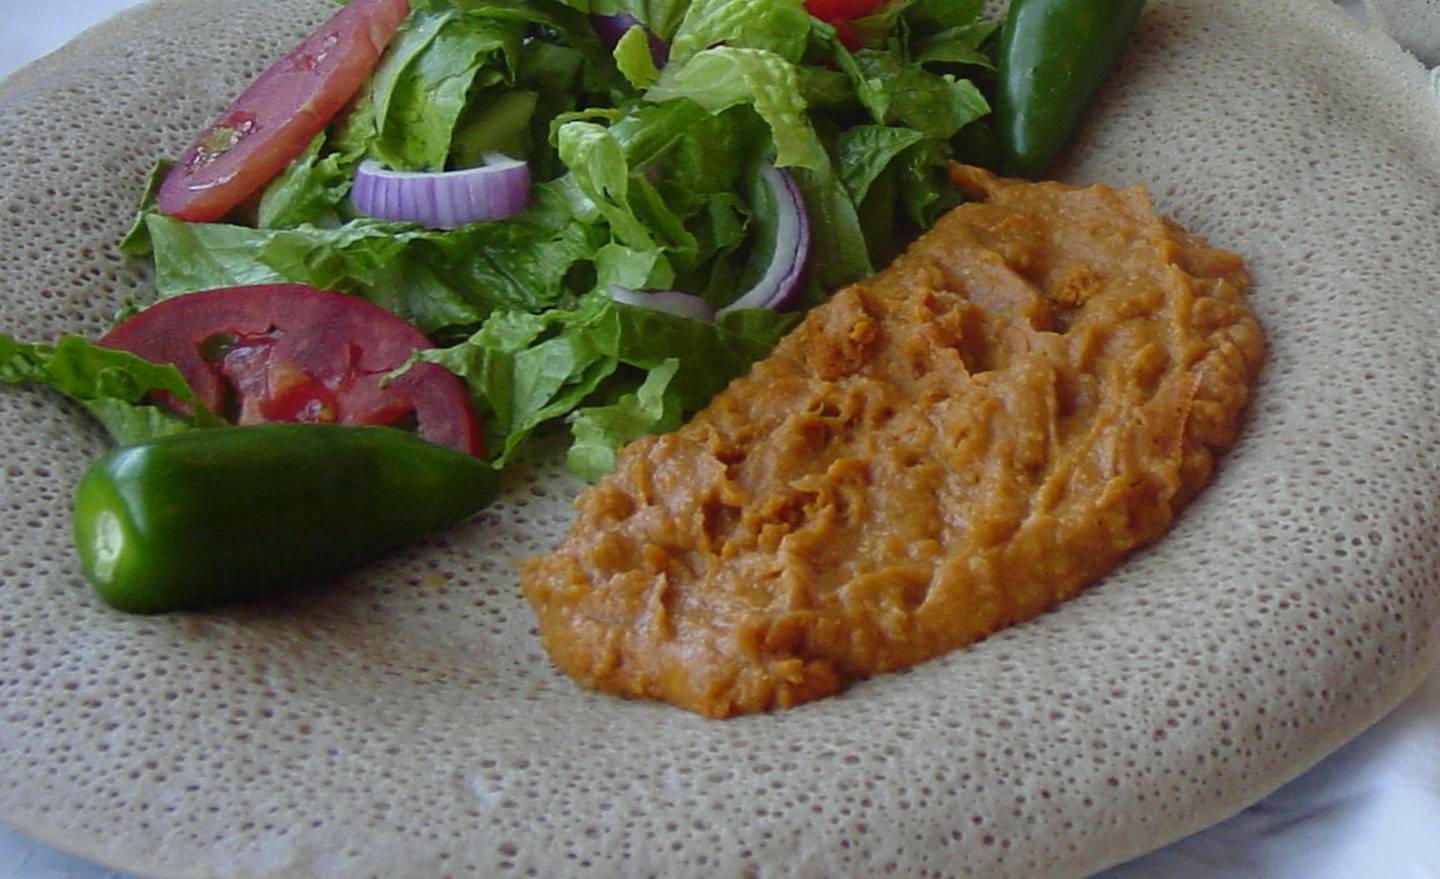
(407, 723)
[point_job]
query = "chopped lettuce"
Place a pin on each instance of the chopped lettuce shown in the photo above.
(780, 27)
(112, 385)
(532, 368)
(865, 151)
(421, 87)
(726, 76)
(309, 191)
(908, 94)
(601, 430)
(634, 59)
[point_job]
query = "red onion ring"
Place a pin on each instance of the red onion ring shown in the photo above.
(781, 280)
(444, 199)
(782, 276)
(669, 301)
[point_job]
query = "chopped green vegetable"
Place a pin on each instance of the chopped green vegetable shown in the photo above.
(112, 385)
(530, 369)
(601, 430)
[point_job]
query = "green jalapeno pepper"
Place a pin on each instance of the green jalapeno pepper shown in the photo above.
(1053, 57)
(212, 515)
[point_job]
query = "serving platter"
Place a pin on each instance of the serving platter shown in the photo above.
(405, 721)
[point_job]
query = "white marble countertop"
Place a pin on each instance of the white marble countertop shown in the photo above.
(1322, 826)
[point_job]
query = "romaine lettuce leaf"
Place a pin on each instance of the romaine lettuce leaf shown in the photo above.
(439, 280)
(936, 15)
(418, 102)
(202, 256)
(136, 242)
(534, 260)
(661, 16)
(863, 152)
(599, 168)
(957, 45)
(839, 254)
(111, 384)
(938, 105)
(600, 431)
(689, 154)
(725, 76)
(634, 58)
(781, 27)
(526, 369)
(530, 369)
(309, 191)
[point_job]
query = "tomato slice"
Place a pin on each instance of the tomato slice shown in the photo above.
(841, 10)
(839, 13)
(280, 113)
(289, 352)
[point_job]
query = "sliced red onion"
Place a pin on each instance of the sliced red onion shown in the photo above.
(775, 288)
(610, 28)
(444, 199)
(669, 301)
(781, 280)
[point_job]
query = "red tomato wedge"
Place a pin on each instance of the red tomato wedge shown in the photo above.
(841, 10)
(280, 113)
(839, 13)
(288, 352)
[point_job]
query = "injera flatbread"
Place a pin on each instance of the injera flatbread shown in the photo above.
(1415, 24)
(407, 722)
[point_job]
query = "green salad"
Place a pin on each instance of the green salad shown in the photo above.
(644, 126)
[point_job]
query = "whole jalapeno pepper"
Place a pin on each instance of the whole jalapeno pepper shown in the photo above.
(1053, 57)
(212, 515)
